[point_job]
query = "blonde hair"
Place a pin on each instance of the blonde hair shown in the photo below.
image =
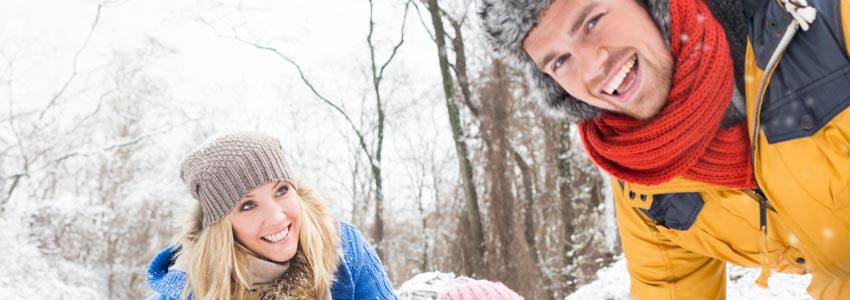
(213, 251)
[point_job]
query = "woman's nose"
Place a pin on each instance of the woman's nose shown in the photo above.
(274, 214)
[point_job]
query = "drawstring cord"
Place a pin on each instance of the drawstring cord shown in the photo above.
(765, 266)
(803, 15)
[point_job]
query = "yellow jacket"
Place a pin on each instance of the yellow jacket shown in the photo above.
(677, 236)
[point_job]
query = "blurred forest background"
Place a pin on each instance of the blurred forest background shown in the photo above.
(397, 110)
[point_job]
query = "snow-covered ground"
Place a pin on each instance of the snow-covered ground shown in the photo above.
(26, 274)
(424, 286)
(613, 283)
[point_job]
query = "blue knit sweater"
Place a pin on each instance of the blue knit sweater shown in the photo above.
(360, 274)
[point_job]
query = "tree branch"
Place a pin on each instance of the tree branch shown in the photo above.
(400, 40)
(334, 106)
(76, 57)
(18, 140)
(422, 21)
(116, 145)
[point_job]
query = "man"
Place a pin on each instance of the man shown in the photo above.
(723, 124)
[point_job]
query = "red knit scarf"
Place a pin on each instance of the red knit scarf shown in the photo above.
(685, 138)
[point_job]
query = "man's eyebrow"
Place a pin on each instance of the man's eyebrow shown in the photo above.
(582, 16)
(585, 11)
(549, 56)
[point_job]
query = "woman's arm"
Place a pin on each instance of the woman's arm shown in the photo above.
(367, 273)
(167, 284)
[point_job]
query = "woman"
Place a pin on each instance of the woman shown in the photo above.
(257, 234)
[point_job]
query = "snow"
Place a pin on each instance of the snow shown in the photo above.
(425, 286)
(26, 274)
(610, 218)
(613, 284)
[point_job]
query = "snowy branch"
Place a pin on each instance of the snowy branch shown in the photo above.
(397, 45)
(332, 104)
(26, 160)
(422, 21)
(76, 57)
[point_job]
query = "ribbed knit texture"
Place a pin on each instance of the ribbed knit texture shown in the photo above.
(685, 138)
(465, 288)
(227, 166)
(360, 274)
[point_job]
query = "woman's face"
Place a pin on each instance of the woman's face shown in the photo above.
(268, 220)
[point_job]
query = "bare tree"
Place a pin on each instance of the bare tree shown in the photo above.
(475, 253)
(371, 149)
(79, 51)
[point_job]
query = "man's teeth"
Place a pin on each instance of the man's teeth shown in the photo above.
(277, 236)
(618, 79)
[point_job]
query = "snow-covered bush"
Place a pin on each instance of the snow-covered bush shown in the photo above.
(112, 243)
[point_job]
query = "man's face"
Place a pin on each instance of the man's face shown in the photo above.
(607, 53)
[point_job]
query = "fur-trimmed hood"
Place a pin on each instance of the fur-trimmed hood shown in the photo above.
(507, 22)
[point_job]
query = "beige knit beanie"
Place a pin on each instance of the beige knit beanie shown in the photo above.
(226, 166)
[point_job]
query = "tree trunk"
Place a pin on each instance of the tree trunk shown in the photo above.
(475, 255)
(565, 181)
(528, 216)
(460, 67)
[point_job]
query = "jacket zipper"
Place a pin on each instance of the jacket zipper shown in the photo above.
(764, 204)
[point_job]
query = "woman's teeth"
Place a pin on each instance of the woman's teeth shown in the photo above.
(276, 237)
(618, 79)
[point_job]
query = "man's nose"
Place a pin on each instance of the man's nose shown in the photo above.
(592, 60)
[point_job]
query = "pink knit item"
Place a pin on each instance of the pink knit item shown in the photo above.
(465, 288)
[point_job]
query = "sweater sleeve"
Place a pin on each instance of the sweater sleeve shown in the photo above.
(370, 279)
(156, 296)
(166, 284)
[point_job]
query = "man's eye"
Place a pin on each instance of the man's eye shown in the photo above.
(247, 206)
(281, 191)
(560, 61)
(592, 22)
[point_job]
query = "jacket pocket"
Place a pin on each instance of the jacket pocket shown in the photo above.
(820, 165)
(675, 211)
(803, 111)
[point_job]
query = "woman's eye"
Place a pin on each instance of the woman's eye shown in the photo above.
(281, 191)
(593, 21)
(248, 205)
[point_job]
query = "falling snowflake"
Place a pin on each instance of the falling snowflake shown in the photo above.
(809, 101)
(790, 121)
(827, 233)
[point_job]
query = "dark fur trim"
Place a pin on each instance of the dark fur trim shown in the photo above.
(295, 284)
(506, 24)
